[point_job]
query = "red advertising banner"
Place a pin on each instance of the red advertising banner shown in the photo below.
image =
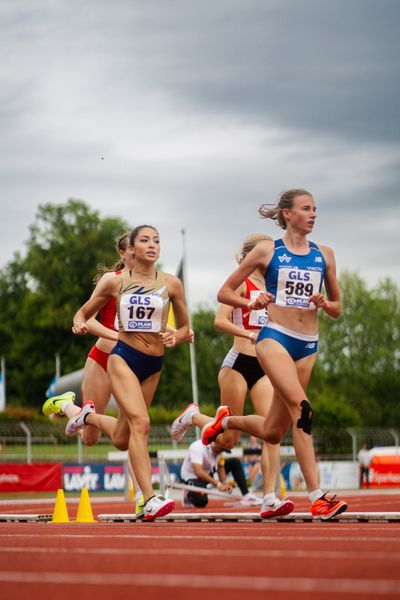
(385, 471)
(38, 477)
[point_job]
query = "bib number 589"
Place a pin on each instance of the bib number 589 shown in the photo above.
(299, 288)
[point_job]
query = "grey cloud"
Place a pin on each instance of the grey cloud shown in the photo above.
(311, 65)
(304, 91)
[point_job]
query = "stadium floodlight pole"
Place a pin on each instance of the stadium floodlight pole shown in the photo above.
(192, 351)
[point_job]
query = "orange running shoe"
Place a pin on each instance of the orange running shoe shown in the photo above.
(326, 508)
(212, 430)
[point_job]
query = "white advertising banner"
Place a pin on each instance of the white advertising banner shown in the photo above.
(334, 475)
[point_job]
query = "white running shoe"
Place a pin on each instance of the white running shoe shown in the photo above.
(250, 499)
(184, 422)
(79, 421)
(279, 508)
(157, 506)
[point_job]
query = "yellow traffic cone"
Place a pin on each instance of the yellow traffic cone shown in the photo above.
(131, 490)
(85, 514)
(60, 513)
(282, 486)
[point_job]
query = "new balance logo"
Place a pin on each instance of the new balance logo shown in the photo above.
(310, 345)
(284, 258)
(318, 259)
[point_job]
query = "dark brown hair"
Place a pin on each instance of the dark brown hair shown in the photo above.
(135, 232)
(121, 244)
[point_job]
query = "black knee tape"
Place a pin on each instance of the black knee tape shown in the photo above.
(305, 421)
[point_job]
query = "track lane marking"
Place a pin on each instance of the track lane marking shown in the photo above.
(261, 537)
(162, 580)
(322, 554)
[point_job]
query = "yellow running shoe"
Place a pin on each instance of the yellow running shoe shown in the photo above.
(139, 509)
(53, 405)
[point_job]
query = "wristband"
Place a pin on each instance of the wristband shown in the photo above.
(218, 484)
(250, 304)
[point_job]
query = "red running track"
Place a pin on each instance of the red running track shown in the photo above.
(201, 560)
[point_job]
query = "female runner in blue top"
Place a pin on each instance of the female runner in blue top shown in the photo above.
(295, 270)
(240, 374)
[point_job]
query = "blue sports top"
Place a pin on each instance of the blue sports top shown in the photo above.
(294, 278)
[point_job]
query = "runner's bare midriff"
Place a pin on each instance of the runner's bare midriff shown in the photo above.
(148, 343)
(295, 319)
(245, 346)
(105, 345)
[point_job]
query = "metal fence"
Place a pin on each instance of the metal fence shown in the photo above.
(46, 441)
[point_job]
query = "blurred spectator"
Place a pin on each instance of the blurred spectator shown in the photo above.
(364, 460)
(253, 468)
(199, 467)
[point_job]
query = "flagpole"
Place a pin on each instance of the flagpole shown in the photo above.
(58, 367)
(3, 385)
(192, 352)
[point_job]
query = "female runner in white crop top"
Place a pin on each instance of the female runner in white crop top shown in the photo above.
(135, 362)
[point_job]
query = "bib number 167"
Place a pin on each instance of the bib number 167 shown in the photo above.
(141, 312)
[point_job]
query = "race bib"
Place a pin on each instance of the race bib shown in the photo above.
(257, 318)
(296, 286)
(139, 312)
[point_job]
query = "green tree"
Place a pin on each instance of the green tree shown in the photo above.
(39, 294)
(355, 382)
(359, 353)
(211, 348)
(175, 389)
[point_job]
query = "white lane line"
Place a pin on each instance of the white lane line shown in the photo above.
(32, 501)
(232, 553)
(231, 582)
(262, 537)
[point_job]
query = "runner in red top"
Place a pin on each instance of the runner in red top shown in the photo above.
(96, 386)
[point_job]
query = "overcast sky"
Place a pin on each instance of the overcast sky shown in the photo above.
(191, 113)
